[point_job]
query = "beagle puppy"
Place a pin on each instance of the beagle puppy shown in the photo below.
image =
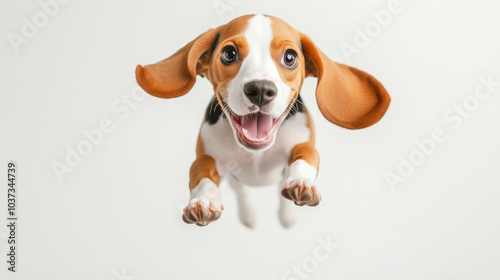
(256, 129)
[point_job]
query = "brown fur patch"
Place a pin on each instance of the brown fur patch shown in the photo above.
(231, 34)
(203, 167)
(305, 151)
(310, 125)
(346, 96)
(287, 38)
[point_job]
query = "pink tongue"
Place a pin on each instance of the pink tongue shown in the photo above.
(257, 125)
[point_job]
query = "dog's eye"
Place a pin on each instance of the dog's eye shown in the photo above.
(290, 59)
(229, 55)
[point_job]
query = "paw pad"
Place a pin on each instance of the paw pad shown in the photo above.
(301, 192)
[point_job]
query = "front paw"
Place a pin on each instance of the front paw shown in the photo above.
(201, 212)
(301, 192)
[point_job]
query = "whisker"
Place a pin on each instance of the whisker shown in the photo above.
(225, 109)
(292, 108)
(213, 107)
(297, 100)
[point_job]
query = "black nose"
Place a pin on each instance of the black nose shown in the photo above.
(260, 92)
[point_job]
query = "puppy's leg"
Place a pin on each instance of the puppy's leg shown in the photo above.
(205, 205)
(245, 210)
(285, 213)
(300, 175)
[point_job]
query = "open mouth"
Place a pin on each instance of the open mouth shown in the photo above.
(256, 130)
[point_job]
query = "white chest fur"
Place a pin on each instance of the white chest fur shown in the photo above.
(254, 168)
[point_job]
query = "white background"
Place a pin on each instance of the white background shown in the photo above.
(119, 211)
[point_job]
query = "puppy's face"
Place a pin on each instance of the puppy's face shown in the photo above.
(257, 70)
(256, 65)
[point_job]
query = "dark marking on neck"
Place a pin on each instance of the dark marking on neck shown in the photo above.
(214, 112)
(297, 107)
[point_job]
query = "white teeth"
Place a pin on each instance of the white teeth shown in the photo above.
(245, 132)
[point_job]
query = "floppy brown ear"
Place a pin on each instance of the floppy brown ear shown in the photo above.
(176, 75)
(346, 96)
